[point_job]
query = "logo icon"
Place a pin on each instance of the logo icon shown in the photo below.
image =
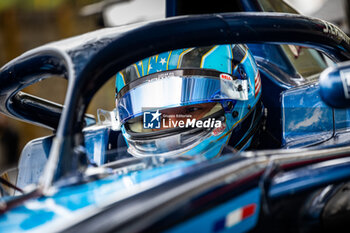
(226, 77)
(151, 120)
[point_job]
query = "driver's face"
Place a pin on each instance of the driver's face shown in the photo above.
(173, 115)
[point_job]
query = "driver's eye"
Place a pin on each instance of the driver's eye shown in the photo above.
(192, 109)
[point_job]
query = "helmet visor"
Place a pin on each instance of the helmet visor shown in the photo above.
(174, 130)
(177, 88)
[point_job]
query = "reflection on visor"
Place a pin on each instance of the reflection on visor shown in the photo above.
(178, 88)
(179, 117)
(180, 129)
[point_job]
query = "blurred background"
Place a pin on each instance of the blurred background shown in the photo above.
(26, 24)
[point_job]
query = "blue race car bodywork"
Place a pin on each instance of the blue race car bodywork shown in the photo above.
(291, 185)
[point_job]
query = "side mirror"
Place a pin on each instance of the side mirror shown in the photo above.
(335, 85)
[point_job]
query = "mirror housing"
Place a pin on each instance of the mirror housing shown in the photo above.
(335, 85)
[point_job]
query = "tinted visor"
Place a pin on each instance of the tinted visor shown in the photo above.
(176, 118)
(174, 130)
(177, 88)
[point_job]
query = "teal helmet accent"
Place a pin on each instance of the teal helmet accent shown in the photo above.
(190, 102)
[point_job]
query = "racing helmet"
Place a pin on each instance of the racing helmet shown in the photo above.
(189, 102)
